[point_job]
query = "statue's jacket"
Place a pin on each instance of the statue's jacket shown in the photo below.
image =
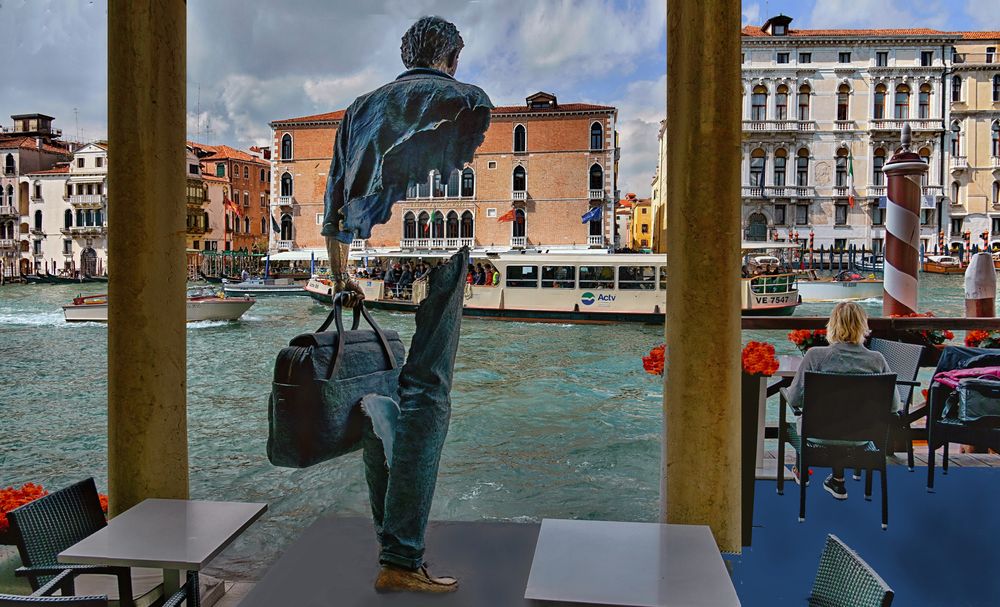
(394, 136)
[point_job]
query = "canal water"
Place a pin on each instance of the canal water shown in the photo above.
(548, 420)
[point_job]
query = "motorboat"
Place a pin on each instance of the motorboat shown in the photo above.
(258, 287)
(871, 263)
(846, 286)
(202, 304)
(943, 264)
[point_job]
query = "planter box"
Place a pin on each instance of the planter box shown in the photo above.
(752, 394)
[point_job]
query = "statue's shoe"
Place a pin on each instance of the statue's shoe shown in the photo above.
(397, 579)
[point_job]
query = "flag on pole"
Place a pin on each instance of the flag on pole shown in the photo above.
(852, 192)
(508, 216)
(232, 206)
(275, 227)
(592, 215)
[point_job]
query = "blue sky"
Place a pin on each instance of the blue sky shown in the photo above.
(250, 62)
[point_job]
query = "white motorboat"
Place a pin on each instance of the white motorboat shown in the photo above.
(844, 287)
(256, 287)
(202, 304)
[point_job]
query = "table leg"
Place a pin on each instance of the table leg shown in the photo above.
(171, 582)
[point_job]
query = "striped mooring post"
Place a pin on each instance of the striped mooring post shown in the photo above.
(902, 222)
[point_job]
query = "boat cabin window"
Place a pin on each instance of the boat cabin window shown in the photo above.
(637, 278)
(663, 278)
(597, 277)
(558, 277)
(522, 276)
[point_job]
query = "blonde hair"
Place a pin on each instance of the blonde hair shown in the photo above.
(848, 324)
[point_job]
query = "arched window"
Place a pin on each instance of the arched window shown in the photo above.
(758, 103)
(758, 158)
(262, 176)
(802, 168)
(423, 225)
(98, 218)
(286, 146)
(781, 103)
(79, 218)
(956, 139)
(804, 92)
(246, 171)
(237, 224)
(995, 139)
(841, 168)
(520, 225)
(924, 102)
(8, 164)
(520, 138)
(956, 88)
(596, 177)
(38, 220)
(780, 163)
(996, 88)
(68, 219)
(520, 179)
(227, 221)
(437, 189)
(263, 225)
(843, 102)
(596, 136)
(246, 225)
(286, 227)
(409, 225)
(437, 225)
(878, 163)
(468, 183)
(451, 225)
(37, 190)
(467, 229)
(955, 190)
(286, 184)
(10, 194)
(454, 179)
(879, 102)
(996, 193)
(902, 105)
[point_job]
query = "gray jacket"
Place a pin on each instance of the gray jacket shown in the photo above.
(838, 358)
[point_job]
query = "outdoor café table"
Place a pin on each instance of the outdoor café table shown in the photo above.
(788, 366)
(167, 534)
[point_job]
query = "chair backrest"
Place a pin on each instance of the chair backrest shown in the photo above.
(47, 526)
(841, 406)
(903, 359)
(845, 580)
(10, 600)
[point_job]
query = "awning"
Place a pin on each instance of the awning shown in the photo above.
(302, 255)
(926, 202)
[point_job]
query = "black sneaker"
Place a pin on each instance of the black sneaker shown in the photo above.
(835, 488)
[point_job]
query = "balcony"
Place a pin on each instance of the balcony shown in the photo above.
(995, 162)
(781, 126)
(440, 244)
(518, 242)
(9, 210)
(286, 201)
(7, 243)
(917, 124)
(932, 190)
(196, 201)
(85, 231)
(595, 241)
(959, 163)
(88, 201)
(876, 191)
(597, 194)
(359, 244)
(840, 191)
(777, 191)
(519, 195)
(845, 125)
(284, 245)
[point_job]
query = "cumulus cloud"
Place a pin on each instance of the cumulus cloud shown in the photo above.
(751, 14)
(879, 13)
(985, 14)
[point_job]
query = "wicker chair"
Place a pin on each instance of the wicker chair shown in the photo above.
(904, 360)
(47, 526)
(840, 407)
(845, 580)
(42, 596)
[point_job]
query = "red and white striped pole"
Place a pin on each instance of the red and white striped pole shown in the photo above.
(902, 222)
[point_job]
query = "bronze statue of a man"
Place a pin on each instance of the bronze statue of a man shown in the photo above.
(388, 139)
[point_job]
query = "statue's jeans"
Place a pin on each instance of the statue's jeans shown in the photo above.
(401, 492)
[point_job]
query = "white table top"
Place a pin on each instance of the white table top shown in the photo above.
(165, 534)
(639, 564)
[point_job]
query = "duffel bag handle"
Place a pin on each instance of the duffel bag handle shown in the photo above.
(336, 313)
(359, 311)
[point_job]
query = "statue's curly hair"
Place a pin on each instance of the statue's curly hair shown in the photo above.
(429, 41)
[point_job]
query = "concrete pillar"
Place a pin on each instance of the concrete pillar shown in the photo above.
(902, 230)
(701, 448)
(147, 409)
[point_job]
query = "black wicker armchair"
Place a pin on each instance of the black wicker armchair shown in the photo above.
(844, 579)
(43, 596)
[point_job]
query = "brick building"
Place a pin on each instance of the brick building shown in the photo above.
(248, 186)
(544, 164)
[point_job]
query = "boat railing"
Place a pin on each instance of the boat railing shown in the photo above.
(774, 283)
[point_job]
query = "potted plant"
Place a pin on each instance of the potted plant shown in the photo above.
(804, 339)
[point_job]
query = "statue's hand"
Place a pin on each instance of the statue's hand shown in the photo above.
(354, 293)
(342, 281)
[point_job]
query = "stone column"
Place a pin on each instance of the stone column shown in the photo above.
(147, 409)
(902, 229)
(701, 447)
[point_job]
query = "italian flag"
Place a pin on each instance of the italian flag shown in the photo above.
(852, 192)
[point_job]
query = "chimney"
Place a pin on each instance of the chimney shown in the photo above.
(38, 142)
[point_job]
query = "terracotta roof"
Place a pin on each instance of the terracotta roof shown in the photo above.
(755, 31)
(223, 152)
(29, 143)
(329, 116)
(979, 35)
(562, 107)
(205, 176)
(60, 168)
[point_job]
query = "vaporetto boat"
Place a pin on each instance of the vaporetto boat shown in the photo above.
(571, 287)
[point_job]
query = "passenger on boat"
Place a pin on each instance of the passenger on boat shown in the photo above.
(846, 331)
(480, 275)
(495, 277)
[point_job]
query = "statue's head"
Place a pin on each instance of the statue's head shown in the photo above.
(432, 42)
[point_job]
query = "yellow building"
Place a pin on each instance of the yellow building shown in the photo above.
(659, 196)
(974, 138)
(641, 225)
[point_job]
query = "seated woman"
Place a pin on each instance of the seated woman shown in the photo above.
(846, 332)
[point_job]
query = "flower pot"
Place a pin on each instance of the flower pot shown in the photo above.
(752, 391)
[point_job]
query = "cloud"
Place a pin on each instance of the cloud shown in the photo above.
(640, 112)
(985, 14)
(751, 14)
(879, 13)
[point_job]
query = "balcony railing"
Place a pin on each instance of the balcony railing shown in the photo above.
(84, 230)
(595, 241)
(917, 124)
(435, 243)
(777, 191)
(779, 125)
(876, 191)
(9, 210)
(959, 163)
(840, 191)
(359, 244)
(995, 162)
(933, 190)
(519, 195)
(285, 201)
(845, 125)
(88, 201)
(7, 243)
(518, 241)
(597, 194)
(284, 245)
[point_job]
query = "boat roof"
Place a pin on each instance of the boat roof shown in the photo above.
(763, 246)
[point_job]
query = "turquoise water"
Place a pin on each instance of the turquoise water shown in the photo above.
(548, 420)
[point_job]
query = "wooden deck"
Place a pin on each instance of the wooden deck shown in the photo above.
(959, 460)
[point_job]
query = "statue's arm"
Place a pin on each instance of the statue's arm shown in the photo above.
(333, 202)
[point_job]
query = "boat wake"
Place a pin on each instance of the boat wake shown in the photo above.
(207, 324)
(40, 319)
